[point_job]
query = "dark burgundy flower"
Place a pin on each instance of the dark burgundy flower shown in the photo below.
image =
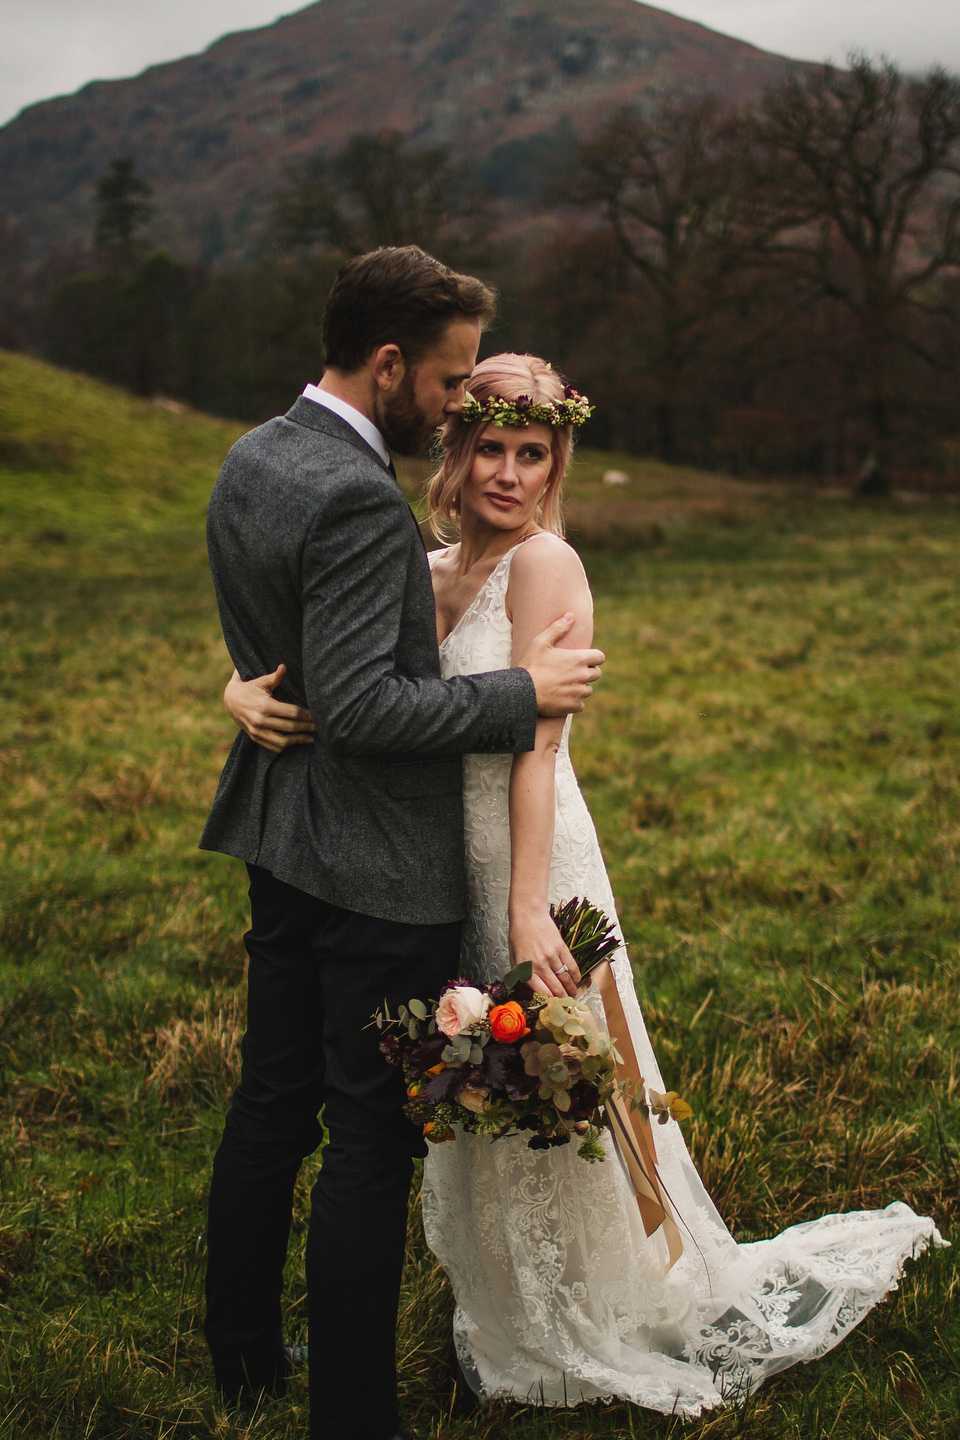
(448, 1084)
(583, 1101)
(390, 1049)
(522, 403)
(454, 983)
(427, 1053)
(502, 1069)
(497, 992)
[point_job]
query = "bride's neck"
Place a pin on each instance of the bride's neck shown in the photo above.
(482, 543)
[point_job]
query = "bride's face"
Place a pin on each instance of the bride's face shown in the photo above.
(509, 475)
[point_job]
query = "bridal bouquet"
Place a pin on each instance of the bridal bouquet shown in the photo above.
(503, 1060)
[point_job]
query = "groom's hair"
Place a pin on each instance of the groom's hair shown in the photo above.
(399, 296)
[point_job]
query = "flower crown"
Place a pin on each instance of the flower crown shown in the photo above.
(573, 409)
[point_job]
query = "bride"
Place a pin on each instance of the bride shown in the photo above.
(561, 1295)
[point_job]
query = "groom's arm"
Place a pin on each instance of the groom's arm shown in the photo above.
(353, 573)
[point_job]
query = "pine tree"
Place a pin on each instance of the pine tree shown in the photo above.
(122, 207)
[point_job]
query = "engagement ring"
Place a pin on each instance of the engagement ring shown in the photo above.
(564, 970)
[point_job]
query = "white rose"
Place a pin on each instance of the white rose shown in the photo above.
(460, 1008)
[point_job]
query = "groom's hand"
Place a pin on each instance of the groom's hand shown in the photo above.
(563, 679)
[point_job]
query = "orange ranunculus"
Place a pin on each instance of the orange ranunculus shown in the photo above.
(435, 1069)
(508, 1023)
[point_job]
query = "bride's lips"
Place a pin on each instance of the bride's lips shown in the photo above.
(503, 502)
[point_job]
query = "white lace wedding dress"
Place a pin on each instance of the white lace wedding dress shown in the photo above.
(560, 1294)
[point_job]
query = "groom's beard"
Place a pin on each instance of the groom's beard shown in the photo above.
(402, 423)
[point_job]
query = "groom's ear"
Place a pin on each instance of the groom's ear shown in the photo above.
(388, 367)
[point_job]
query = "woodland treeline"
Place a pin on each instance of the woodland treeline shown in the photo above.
(768, 291)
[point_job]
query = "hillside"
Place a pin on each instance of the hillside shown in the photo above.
(97, 482)
(493, 78)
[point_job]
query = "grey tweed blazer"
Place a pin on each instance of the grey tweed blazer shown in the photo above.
(318, 562)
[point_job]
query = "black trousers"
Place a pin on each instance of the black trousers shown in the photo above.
(316, 975)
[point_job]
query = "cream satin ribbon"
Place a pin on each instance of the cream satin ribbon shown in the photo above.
(631, 1129)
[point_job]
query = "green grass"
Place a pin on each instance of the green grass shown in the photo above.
(772, 761)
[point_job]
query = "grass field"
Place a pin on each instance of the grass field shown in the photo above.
(772, 761)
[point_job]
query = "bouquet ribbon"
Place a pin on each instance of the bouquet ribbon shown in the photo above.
(631, 1129)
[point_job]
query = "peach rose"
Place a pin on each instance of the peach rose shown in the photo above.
(508, 1023)
(474, 1097)
(460, 1008)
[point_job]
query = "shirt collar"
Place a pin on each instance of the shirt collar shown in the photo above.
(365, 428)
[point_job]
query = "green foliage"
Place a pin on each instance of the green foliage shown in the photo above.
(773, 761)
(251, 337)
(120, 322)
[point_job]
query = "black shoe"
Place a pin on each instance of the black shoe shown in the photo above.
(248, 1380)
(246, 1401)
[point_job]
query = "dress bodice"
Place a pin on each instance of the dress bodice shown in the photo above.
(482, 638)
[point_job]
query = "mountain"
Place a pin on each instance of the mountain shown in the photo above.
(498, 80)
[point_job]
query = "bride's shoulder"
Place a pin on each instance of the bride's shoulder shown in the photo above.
(545, 554)
(546, 579)
(440, 559)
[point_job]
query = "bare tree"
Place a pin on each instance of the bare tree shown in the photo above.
(668, 186)
(856, 186)
(379, 191)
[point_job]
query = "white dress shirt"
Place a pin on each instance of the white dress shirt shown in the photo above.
(365, 428)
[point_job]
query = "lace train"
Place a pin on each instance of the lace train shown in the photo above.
(560, 1294)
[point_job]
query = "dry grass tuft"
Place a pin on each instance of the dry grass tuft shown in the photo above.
(199, 1057)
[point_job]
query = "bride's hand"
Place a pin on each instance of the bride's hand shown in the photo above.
(535, 937)
(271, 723)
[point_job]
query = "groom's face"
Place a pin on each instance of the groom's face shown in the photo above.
(425, 394)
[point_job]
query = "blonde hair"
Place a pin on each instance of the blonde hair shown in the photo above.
(509, 376)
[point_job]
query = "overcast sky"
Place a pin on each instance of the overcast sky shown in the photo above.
(51, 47)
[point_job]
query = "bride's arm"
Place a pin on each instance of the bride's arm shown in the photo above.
(546, 579)
(271, 723)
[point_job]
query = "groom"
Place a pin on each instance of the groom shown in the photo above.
(354, 845)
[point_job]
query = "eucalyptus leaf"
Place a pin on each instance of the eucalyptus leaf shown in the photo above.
(418, 1008)
(519, 975)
